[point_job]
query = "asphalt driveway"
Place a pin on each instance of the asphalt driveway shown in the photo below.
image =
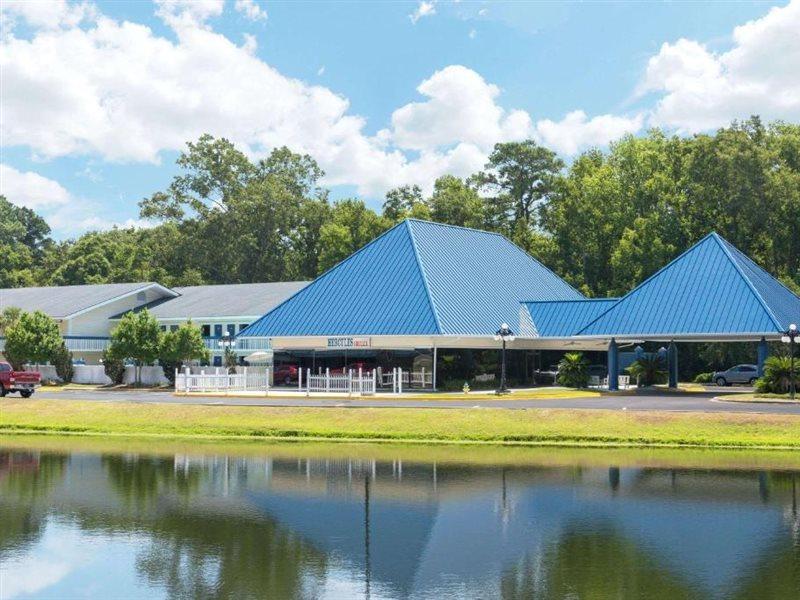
(682, 402)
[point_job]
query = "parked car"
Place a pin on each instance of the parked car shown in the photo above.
(738, 374)
(23, 382)
(548, 375)
(354, 367)
(286, 374)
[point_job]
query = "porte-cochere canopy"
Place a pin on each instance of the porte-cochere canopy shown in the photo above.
(710, 292)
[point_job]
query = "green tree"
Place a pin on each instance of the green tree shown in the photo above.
(8, 317)
(24, 238)
(517, 177)
(62, 361)
(455, 202)
(352, 225)
(573, 370)
(113, 367)
(33, 338)
(405, 202)
(180, 346)
(137, 337)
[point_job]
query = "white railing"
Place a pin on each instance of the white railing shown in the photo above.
(352, 382)
(77, 344)
(397, 378)
(220, 381)
(252, 343)
(86, 344)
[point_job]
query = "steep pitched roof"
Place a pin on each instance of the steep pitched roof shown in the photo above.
(68, 300)
(560, 318)
(711, 289)
(418, 278)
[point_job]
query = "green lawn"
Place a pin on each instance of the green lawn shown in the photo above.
(534, 426)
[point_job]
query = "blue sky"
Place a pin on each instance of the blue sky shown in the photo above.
(99, 96)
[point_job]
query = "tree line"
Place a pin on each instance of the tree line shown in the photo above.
(604, 222)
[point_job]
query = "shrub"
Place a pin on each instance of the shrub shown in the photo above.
(114, 367)
(649, 370)
(777, 374)
(62, 361)
(703, 377)
(573, 370)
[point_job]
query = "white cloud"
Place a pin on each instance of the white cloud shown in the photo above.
(45, 14)
(576, 131)
(251, 10)
(26, 188)
(118, 91)
(424, 9)
(702, 89)
(182, 14)
(461, 107)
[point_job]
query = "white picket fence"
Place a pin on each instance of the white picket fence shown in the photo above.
(352, 382)
(219, 380)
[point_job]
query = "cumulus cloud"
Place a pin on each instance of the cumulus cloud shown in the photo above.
(251, 10)
(577, 131)
(461, 107)
(45, 14)
(701, 89)
(182, 14)
(424, 9)
(26, 188)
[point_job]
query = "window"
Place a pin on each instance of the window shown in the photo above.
(217, 361)
(217, 330)
(162, 327)
(4, 368)
(748, 368)
(243, 326)
(230, 329)
(206, 330)
(173, 327)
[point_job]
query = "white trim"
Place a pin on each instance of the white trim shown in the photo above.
(411, 342)
(156, 286)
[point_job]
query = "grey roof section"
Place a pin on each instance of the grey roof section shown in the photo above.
(234, 300)
(63, 301)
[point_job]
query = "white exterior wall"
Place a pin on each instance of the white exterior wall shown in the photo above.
(96, 321)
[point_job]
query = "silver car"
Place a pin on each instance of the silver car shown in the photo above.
(738, 374)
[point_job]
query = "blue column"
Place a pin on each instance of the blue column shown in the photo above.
(672, 364)
(763, 353)
(613, 365)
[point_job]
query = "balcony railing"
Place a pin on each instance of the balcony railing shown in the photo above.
(249, 344)
(77, 343)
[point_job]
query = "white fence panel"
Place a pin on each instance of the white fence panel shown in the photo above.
(219, 380)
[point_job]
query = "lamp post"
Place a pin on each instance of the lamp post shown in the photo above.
(790, 337)
(506, 335)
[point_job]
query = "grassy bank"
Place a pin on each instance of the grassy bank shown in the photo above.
(540, 426)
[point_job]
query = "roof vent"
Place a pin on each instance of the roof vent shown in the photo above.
(141, 297)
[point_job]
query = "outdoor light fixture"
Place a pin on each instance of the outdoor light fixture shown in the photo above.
(790, 337)
(506, 335)
(227, 340)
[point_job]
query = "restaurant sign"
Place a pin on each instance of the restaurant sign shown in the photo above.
(348, 342)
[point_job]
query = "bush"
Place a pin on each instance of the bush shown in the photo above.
(573, 371)
(114, 367)
(649, 370)
(703, 377)
(62, 361)
(777, 374)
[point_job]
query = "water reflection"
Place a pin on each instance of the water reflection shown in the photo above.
(206, 526)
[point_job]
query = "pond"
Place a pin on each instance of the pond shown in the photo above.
(338, 521)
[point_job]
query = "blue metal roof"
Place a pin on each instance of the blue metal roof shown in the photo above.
(476, 278)
(560, 318)
(711, 289)
(418, 278)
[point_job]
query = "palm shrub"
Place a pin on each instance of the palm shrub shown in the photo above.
(777, 375)
(649, 370)
(573, 370)
(62, 361)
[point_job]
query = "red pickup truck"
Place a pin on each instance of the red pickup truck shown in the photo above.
(23, 382)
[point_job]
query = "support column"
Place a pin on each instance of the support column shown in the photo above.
(613, 365)
(434, 368)
(763, 354)
(672, 364)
